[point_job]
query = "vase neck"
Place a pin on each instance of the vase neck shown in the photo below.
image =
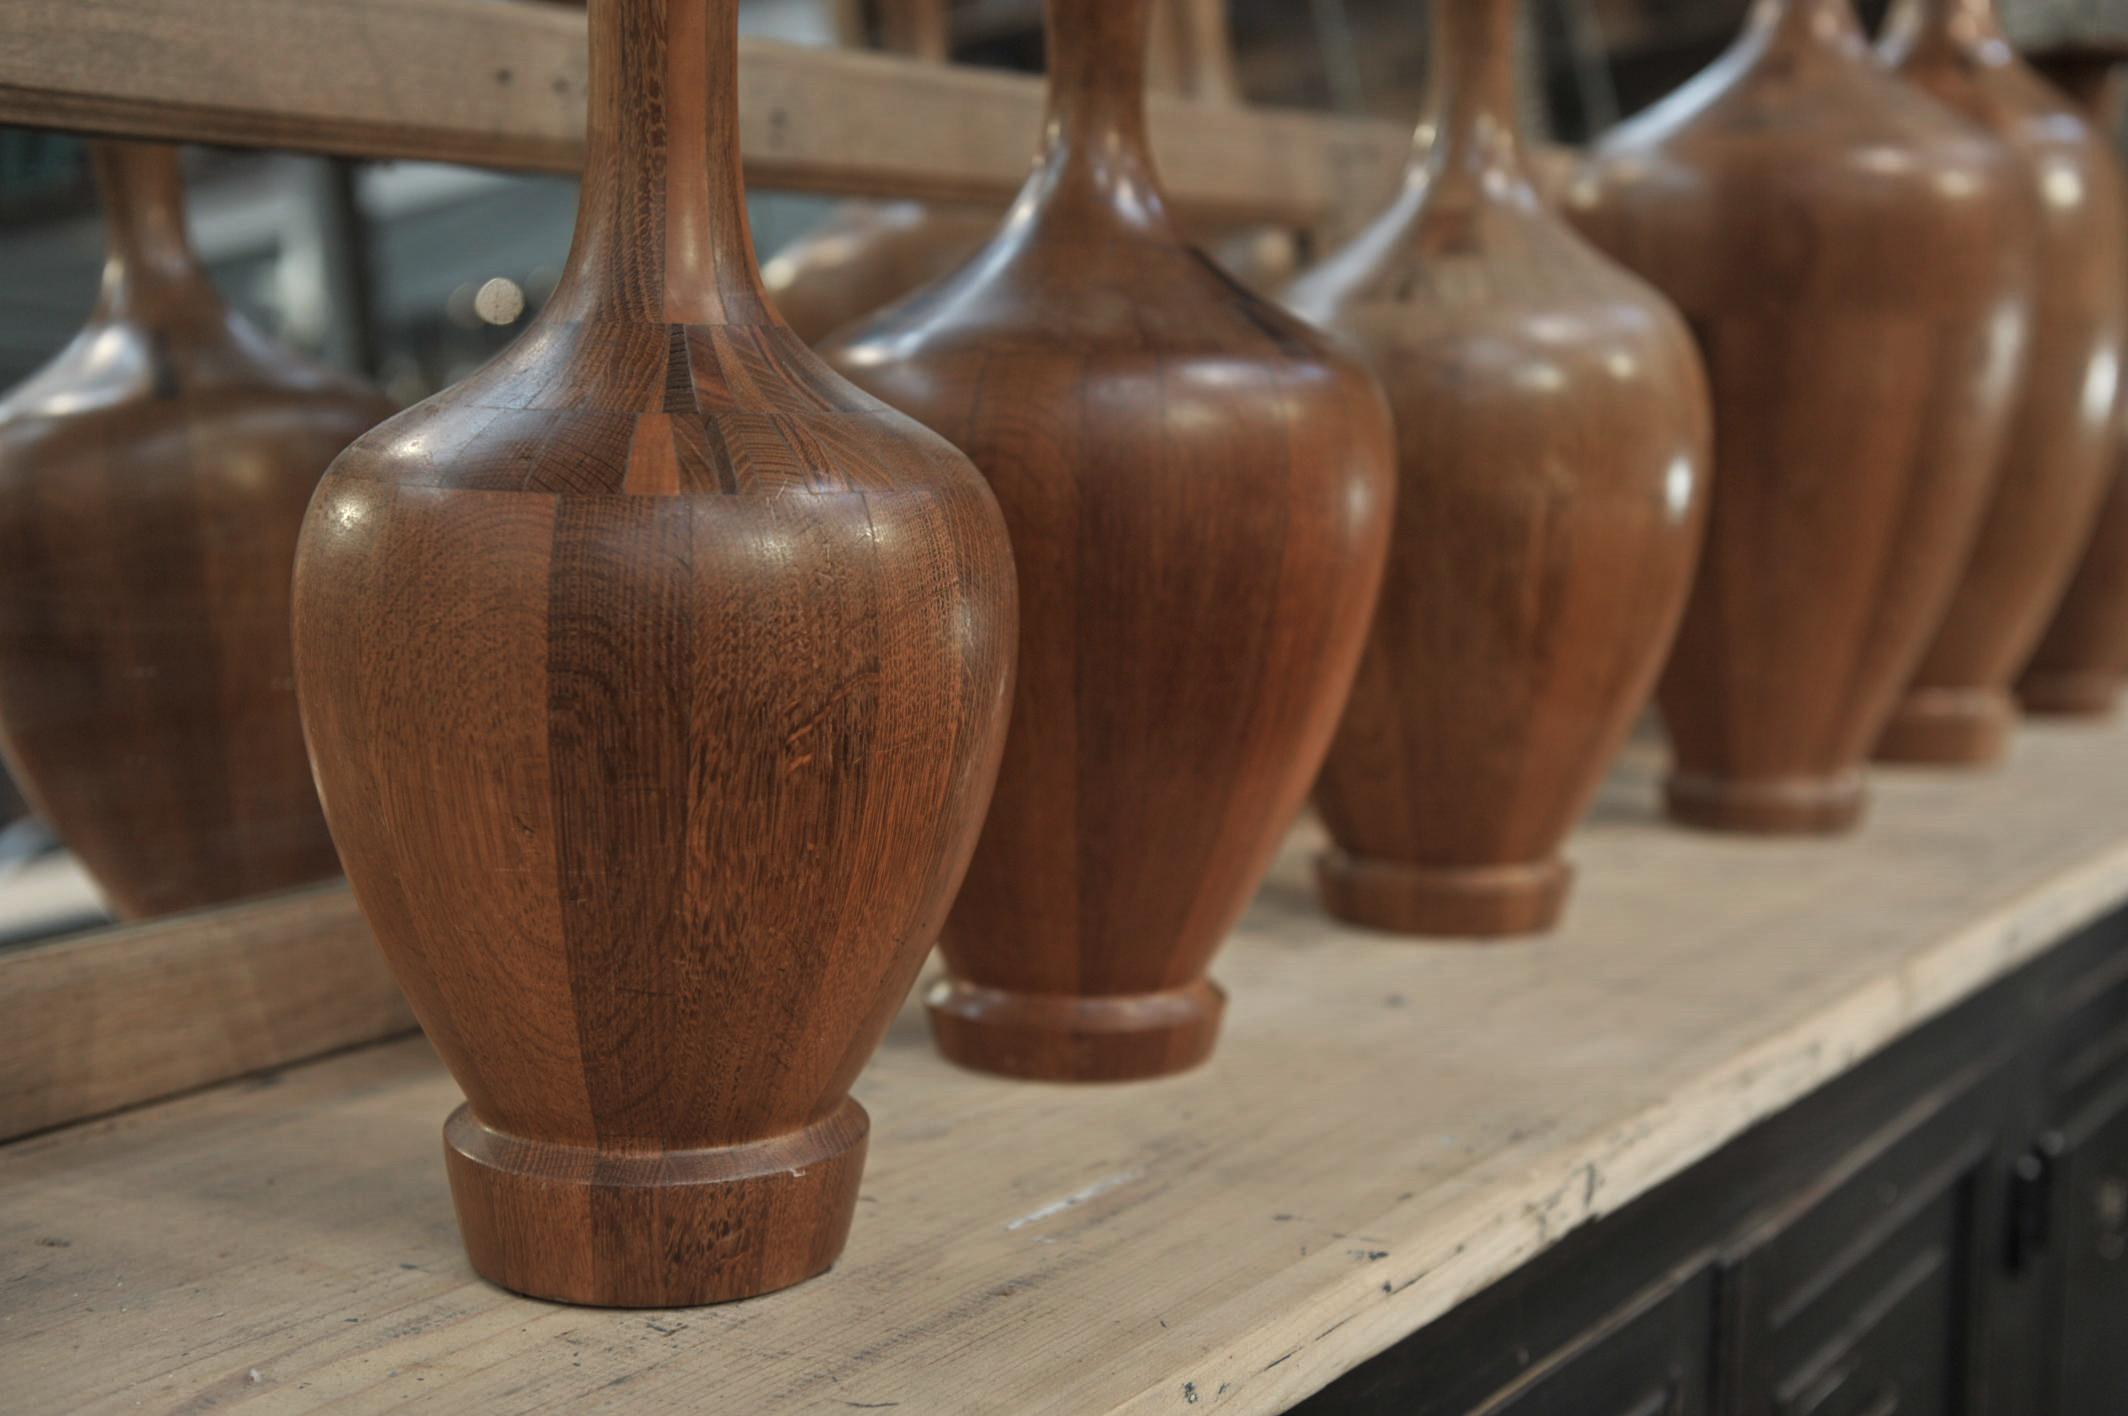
(1095, 155)
(1828, 24)
(661, 226)
(149, 264)
(916, 28)
(1964, 26)
(1471, 130)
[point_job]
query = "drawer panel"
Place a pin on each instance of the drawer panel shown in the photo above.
(1652, 1361)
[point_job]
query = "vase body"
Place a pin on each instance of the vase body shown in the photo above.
(2065, 430)
(152, 481)
(2082, 659)
(1854, 261)
(1197, 488)
(655, 680)
(1552, 442)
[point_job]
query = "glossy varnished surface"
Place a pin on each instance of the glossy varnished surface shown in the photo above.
(2065, 433)
(1198, 493)
(1552, 442)
(2082, 660)
(152, 480)
(1854, 262)
(655, 679)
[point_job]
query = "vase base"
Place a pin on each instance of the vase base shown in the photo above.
(1787, 806)
(2069, 695)
(1073, 1038)
(1949, 727)
(668, 1229)
(1467, 902)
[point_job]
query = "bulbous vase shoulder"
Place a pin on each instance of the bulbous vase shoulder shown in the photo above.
(1553, 436)
(1197, 487)
(1854, 262)
(152, 481)
(866, 256)
(1814, 176)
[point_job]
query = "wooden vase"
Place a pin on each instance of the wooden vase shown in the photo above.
(868, 254)
(1198, 492)
(152, 480)
(656, 680)
(2082, 659)
(1552, 438)
(2064, 433)
(1855, 263)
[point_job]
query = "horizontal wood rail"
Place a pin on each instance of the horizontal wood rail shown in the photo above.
(497, 83)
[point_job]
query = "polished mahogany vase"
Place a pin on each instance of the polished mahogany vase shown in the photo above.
(1855, 262)
(655, 680)
(2082, 660)
(1198, 491)
(2065, 432)
(1552, 439)
(152, 481)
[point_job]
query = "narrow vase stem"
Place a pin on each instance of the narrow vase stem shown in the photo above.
(1095, 151)
(1471, 114)
(148, 253)
(1826, 22)
(661, 229)
(1965, 26)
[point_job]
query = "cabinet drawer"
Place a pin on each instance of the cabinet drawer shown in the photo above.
(1652, 1360)
(1856, 1300)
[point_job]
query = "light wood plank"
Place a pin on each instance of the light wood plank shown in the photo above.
(1387, 1128)
(501, 84)
(111, 1018)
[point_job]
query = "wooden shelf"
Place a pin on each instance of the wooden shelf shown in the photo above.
(500, 83)
(1388, 1127)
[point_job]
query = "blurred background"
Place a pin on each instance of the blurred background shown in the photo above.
(380, 268)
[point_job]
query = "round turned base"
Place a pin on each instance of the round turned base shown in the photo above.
(1057, 1037)
(1791, 806)
(665, 1229)
(1470, 902)
(1949, 727)
(2069, 695)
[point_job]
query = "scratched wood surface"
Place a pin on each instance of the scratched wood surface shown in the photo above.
(501, 84)
(1388, 1126)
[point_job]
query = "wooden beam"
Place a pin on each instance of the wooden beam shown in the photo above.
(108, 1019)
(495, 83)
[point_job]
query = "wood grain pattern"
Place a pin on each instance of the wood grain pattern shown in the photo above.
(152, 480)
(1855, 263)
(868, 254)
(1198, 492)
(2082, 660)
(1385, 1132)
(116, 1017)
(656, 680)
(497, 83)
(2065, 432)
(1552, 441)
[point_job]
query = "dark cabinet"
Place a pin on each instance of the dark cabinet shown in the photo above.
(2084, 1200)
(1941, 1232)
(1652, 1360)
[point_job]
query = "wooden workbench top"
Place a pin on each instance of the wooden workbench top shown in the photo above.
(1386, 1128)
